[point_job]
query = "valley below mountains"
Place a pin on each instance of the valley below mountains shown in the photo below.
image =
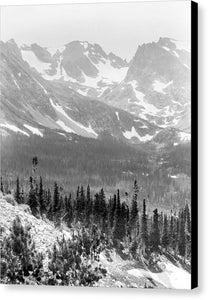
(92, 117)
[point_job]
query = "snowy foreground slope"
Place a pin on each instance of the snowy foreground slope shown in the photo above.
(128, 273)
(121, 272)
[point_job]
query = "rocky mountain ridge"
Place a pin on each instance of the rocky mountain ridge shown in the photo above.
(35, 100)
(157, 85)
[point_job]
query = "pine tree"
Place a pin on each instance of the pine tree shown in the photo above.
(34, 167)
(82, 204)
(144, 228)
(182, 238)
(134, 211)
(88, 193)
(33, 199)
(22, 195)
(103, 209)
(112, 211)
(78, 204)
(123, 220)
(17, 195)
(56, 202)
(49, 205)
(177, 228)
(187, 218)
(135, 199)
(78, 192)
(165, 234)
(88, 206)
(187, 230)
(2, 186)
(61, 213)
(42, 200)
(161, 221)
(119, 229)
(136, 190)
(134, 215)
(173, 231)
(155, 233)
(69, 210)
(96, 209)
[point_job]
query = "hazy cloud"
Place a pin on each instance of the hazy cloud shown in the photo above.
(117, 27)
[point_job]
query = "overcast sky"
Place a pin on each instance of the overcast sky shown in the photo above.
(117, 27)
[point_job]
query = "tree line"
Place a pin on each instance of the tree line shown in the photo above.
(122, 223)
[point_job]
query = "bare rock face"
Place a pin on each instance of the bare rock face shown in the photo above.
(157, 85)
(41, 53)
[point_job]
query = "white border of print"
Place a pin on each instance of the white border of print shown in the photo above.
(53, 293)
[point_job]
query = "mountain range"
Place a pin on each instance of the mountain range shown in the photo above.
(79, 89)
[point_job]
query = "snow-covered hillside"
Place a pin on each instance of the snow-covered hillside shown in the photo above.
(131, 273)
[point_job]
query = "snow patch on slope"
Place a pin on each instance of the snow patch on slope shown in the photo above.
(91, 81)
(83, 93)
(34, 62)
(133, 133)
(148, 108)
(117, 115)
(184, 136)
(106, 73)
(159, 86)
(89, 129)
(34, 130)
(15, 82)
(64, 127)
(58, 108)
(176, 54)
(74, 124)
(171, 277)
(166, 48)
(45, 91)
(13, 128)
(185, 65)
(84, 44)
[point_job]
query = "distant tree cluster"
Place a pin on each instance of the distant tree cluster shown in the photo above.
(98, 162)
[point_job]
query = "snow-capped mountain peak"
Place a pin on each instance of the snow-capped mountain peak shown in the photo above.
(31, 105)
(85, 66)
(157, 84)
(44, 89)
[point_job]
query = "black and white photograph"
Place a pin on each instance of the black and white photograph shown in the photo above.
(96, 136)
